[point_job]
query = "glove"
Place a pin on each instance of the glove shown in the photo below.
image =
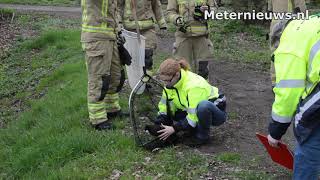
(120, 38)
(180, 22)
(125, 57)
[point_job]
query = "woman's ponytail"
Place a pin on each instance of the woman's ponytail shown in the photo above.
(184, 64)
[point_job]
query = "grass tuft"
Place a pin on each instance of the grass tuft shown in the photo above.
(229, 157)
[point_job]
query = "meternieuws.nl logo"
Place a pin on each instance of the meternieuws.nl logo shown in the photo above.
(253, 15)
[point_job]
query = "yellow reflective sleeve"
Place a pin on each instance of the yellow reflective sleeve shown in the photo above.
(290, 84)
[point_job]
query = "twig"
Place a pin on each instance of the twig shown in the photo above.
(13, 14)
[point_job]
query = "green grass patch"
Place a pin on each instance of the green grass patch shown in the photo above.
(237, 41)
(232, 115)
(32, 60)
(23, 66)
(229, 157)
(44, 2)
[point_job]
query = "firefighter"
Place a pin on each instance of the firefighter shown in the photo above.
(297, 91)
(105, 72)
(192, 42)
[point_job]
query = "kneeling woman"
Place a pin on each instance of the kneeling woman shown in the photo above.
(191, 102)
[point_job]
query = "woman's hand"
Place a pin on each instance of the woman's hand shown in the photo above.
(165, 132)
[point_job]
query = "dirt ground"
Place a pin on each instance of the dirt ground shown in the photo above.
(249, 96)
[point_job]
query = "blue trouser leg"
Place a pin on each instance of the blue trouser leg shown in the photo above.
(307, 158)
(208, 114)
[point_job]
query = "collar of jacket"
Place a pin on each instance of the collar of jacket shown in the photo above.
(183, 77)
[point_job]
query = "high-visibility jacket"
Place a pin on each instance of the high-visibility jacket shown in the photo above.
(99, 20)
(145, 10)
(189, 91)
(297, 66)
(186, 9)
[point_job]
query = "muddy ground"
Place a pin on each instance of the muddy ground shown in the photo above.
(249, 95)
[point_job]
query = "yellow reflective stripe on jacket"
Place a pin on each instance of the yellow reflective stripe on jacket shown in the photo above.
(111, 33)
(145, 24)
(197, 29)
(291, 83)
(84, 11)
(191, 110)
(192, 116)
(163, 100)
(281, 119)
(162, 106)
(96, 28)
(104, 12)
(314, 51)
(191, 121)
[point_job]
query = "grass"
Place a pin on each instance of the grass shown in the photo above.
(233, 40)
(22, 70)
(44, 2)
(23, 67)
(229, 157)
